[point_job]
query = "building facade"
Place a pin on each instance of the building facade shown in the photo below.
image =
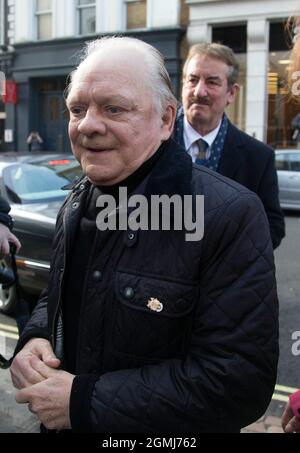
(43, 40)
(40, 39)
(255, 29)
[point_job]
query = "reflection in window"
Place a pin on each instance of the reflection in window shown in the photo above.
(136, 14)
(44, 19)
(87, 16)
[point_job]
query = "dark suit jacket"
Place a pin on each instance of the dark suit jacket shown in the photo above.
(252, 164)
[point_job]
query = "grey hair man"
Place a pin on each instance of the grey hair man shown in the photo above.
(210, 84)
(144, 331)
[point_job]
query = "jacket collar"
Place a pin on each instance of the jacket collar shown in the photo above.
(172, 174)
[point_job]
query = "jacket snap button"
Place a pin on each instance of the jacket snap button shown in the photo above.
(82, 187)
(75, 205)
(128, 293)
(131, 236)
(97, 276)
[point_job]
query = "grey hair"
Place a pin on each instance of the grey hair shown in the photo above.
(156, 75)
(218, 51)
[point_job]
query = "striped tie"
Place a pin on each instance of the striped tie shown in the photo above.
(202, 147)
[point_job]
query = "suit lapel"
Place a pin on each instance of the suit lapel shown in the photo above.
(231, 157)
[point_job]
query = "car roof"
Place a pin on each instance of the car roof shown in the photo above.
(10, 158)
(287, 151)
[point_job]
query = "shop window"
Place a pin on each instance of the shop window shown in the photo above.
(136, 14)
(43, 14)
(235, 37)
(282, 110)
(86, 17)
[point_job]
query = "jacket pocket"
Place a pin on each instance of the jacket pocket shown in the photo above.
(153, 316)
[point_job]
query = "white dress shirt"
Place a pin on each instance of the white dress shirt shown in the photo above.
(190, 136)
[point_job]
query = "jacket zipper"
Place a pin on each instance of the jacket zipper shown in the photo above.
(58, 314)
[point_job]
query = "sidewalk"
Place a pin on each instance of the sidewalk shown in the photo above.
(15, 418)
(266, 424)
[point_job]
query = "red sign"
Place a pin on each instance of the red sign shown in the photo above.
(10, 90)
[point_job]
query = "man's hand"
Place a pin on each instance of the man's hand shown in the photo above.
(6, 237)
(49, 399)
(290, 423)
(23, 374)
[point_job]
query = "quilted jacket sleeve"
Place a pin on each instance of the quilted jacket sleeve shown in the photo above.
(228, 376)
(5, 218)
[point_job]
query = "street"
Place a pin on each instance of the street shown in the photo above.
(14, 418)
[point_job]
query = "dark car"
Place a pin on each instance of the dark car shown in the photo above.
(32, 185)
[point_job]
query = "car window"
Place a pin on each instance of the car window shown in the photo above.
(281, 161)
(295, 162)
(30, 183)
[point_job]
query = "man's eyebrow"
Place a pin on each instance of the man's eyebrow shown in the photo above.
(103, 99)
(216, 77)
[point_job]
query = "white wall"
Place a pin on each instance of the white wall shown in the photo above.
(64, 19)
(24, 21)
(163, 13)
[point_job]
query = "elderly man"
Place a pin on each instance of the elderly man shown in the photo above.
(210, 76)
(143, 330)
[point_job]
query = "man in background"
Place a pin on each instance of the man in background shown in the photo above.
(210, 84)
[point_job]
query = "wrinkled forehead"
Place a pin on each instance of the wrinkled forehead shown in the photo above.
(202, 63)
(119, 65)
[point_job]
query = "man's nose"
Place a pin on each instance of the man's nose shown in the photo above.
(200, 89)
(92, 123)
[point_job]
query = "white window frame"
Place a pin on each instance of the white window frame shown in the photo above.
(93, 3)
(38, 14)
(2, 25)
(148, 13)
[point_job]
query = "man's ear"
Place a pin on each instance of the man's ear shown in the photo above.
(233, 91)
(168, 121)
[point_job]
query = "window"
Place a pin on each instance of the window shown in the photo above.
(44, 19)
(295, 162)
(136, 14)
(281, 162)
(235, 37)
(87, 17)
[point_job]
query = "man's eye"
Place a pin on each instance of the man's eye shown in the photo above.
(76, 111)
(113, 109)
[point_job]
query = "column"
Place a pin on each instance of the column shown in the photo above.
(257, 78)
(198, 32)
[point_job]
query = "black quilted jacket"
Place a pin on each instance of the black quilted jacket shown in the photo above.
(206, 362)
